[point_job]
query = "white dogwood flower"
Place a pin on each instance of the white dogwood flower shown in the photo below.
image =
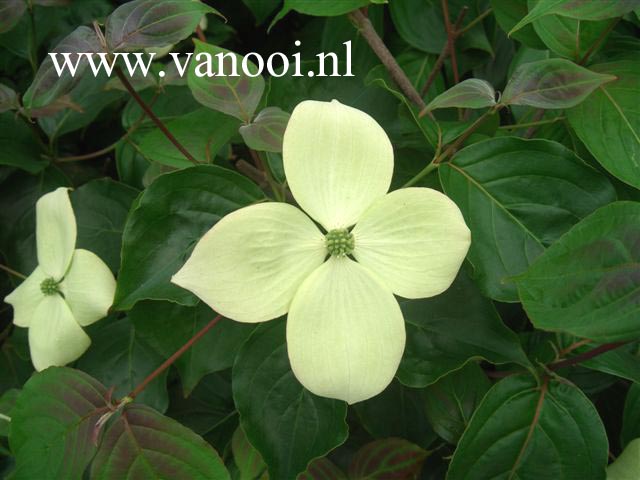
(68, 290)
(345, 330)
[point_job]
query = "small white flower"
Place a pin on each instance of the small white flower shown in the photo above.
(68, 290)
(345, 331)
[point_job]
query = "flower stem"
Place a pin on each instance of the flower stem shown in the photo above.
(12, 272)
(171, 360)
(163, 128)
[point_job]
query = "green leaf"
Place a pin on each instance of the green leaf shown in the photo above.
(47, 86)
(202, 132)
(320, 9)
(508, 13)
(552, 83)
(451, 401)
(54, 418)
(237, 96)
(166, 222)
(18, 146)
(11, 11)
(266, 131)
(631, 415)
(141, 443)
(397, 412)
(246, 458)
(627, 465)
(387, 458)
(608, 122)
(470, 93)
(568, 37)
(518, 196)
(420, 24)
(287, 424)
(587, 283)
(447, 331)
(7, 402)
(148, 23)
(8, 99)
(621, 362)
(261, 9)
(120, 359)
(166, 327)
(578, 9)
(101, 207)
(529, 431)
(322, 469)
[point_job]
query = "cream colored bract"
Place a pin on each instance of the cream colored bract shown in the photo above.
(345, 331)
(69, 289)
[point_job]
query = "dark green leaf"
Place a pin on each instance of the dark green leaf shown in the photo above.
(18, 146)
(262, 9)
(287, 424)
(236, 95)
(470, 93)
(148, 23)
(166, 222)
(529, 431)
(553, 83)
(631, 416)
(518, 196)
(11, 12)
(246, 458)
(52, 424)
(321, 9)
(7, 401)
(608, 122)
(141, 443)
(578, 9)
(101, 208)
(451, 401)
(397, 412)
(47, 86)
(119, 358)
(508, 13)
(266, 131)
(387, 458)
(166, 327)
(587, 283)
(447, 331)
(621, 362)
(202, 132)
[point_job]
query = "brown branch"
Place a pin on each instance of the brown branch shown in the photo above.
(451, 39)
(12, 271)
(169, 361)
(163, 128)
(588, 355)
(200, 34)
(445, 51)
(365, 27)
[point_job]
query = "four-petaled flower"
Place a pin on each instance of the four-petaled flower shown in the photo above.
(68, 290)
(345, 330)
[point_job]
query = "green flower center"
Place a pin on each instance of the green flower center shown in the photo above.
(340, 242)
(49, 286)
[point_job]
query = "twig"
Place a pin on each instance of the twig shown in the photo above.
(11, 271)
(445, 51)
(588, 355)
(574, 346)
(200, 34)
(153, 117)
(451, 39)
(365, 27)
(475, 21)
(275, 188)
(169, 361)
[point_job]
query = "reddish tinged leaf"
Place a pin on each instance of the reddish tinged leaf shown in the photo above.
(390, 458)
(266, 131)
(142, 443)
(52, 424)
(11, 12)
(322, 469)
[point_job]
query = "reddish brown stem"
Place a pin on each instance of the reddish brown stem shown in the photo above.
(451, 39)
(200, 34)
(588, 355)
(163, 128)
(445, 52)
(171, 360)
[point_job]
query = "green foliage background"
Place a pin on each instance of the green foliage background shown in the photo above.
(527, 367)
